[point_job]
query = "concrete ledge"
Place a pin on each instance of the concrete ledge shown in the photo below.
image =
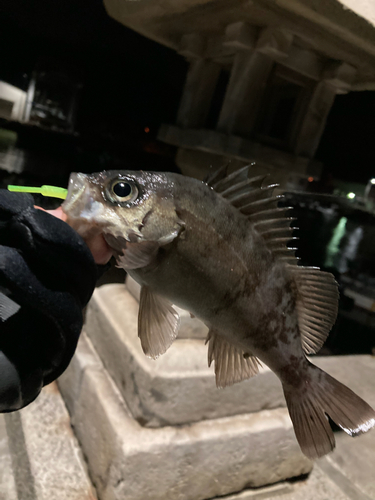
(212, 141)
(46, 459)
(8, 489)
(178, 387)
(193, 462)
(317, 486)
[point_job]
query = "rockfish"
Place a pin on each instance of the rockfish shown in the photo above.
(218, 249)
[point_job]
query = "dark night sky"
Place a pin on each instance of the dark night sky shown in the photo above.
(130, 78)
(347, 147)
(123, 72)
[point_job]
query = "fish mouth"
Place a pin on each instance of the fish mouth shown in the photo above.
(76, 187)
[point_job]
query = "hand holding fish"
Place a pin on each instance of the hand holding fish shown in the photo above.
(98, 246)
(219, 250)
(47, 276)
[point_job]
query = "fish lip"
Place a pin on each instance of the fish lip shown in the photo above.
(76, 186)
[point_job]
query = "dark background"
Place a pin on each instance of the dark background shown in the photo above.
(130, 82)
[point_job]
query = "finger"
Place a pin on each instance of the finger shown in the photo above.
(97, 244)
(99, 249)
(58, 212)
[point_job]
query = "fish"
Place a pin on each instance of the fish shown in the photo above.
(219, 249)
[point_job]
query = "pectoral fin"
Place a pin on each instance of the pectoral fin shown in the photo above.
(158, 323)
(137, 255)
(231, 363)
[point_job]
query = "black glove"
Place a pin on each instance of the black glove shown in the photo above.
(47, 276)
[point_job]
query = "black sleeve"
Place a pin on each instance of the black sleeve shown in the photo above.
(47, 276)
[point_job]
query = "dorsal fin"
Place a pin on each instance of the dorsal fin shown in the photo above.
(317, 304)
(216, 175)
(233, 179)
(260, 205)
(317, 299)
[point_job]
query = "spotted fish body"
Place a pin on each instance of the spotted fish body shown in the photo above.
(218, 249)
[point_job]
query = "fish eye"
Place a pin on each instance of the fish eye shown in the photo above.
(122, 191)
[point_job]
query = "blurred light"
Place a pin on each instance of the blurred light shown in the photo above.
(351, 196)
(310, 179)
(372, 181)
(334, 245)
(147, 130)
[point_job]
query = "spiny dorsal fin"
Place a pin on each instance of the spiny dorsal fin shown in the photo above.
(259, 204)
(215, 176)
(317, 304)
(231, 363)
(236, 178)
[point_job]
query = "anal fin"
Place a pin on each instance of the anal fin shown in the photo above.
(232, 364)
(158, 323)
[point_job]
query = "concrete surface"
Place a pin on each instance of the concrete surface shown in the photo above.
(271, 159)
(7, 484)
(345, 475)
(338, 29)
(128, 461)
(177, 388)
(356, 461)
(318, 486)
(354, 458)
(191, 462)
(40, 458)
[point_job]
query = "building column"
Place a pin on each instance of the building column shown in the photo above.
(246, 86)
(315, 118)
(252, 65)
(197, 94)
(337, 79)
(29, 98)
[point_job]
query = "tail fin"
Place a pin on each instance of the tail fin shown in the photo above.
(323, 395)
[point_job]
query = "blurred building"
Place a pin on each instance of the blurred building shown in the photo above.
(263, 75)
(50, 101)
(12, 102)
(52, 97)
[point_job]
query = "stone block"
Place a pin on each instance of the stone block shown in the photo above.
(352, 462)
(197, 93)
(340, 75)
(46, 457)
(178, 387)
(218, 52)
(192, 46)
(8, 489)
(317, 486)
(305, 61)
(239, 36)
(194, 462)
(216, 147)
(274, 43)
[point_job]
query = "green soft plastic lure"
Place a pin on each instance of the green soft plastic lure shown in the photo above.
(51, 191)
